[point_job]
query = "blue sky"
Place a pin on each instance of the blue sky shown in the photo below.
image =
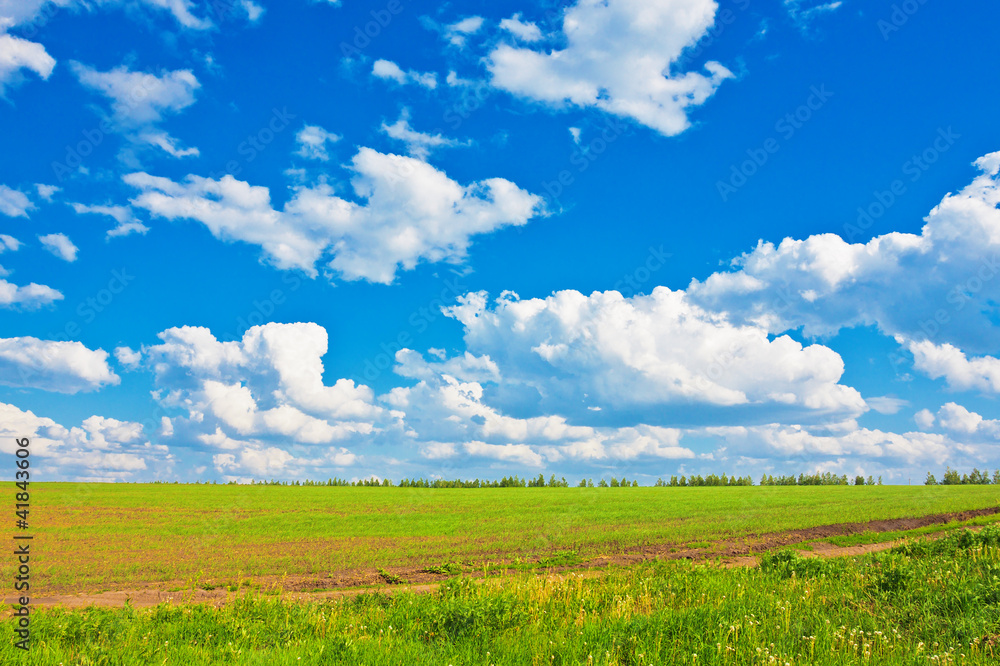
(249, 239)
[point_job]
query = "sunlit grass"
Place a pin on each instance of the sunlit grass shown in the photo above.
(106, 536)
(935, 602)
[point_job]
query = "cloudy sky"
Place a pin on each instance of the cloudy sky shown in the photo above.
(256, 239)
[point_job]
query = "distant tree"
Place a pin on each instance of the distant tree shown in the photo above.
(996, 477)
(871, 481)
(614, 482)
(951, 477)
(635, 483)
(859, 480)
(930, 480)
(590, 483)
(602, 484)
(582, 484)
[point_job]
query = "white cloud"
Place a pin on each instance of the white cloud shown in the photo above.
(418, 144)
(458, 32)
(127, 223)
(18, 12)
(46, 191)
(139, 98)
(386, 69)
(267, 385)
(656, 359)
(960, 372)
(617, 58)
(450, 415)
(17, 54)
(9, 243)
(60, 246)
(100, 448)
(785, 441)
(14, 203)
(167, 144)
(180, 10)
(520, 454)
(939, 284)
(803, 11)
(312, 140)
(128, 357)
(959, 420)
(259, 404)
(29, 296)
(924, 419)
(62, 367)
(525, 31)
(252, 9)
(408, 212)
(886, 404)
(139, 101)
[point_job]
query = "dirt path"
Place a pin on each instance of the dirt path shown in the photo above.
(351, 583)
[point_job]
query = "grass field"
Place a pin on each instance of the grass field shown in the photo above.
(109, 536)
(926, 603)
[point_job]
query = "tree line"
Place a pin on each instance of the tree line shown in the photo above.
(950, 477)
(976, 478)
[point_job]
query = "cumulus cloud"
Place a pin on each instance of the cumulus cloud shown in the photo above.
(406, 212)
(960, 372)
(657, 359)
(524, 31)
(924, 419)
(263, 390)
(29, 296)
(140, 101)
(451, 418)
(18, 54)
(122, 215)
(46, 191)
(458, 32)
(60, 246)
(312, 140)
(940, 284)
(418, 144)
(795, 441)
(962, 422)
(128, 357)
(14, 203)
(259, 405)
(447, 416)
(101, 449)
(386, 69)
(59, 366)
(617, 57)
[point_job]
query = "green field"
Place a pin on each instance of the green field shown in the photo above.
(926, 603)
(113, 536)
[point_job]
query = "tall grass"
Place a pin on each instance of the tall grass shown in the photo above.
(937, 602)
